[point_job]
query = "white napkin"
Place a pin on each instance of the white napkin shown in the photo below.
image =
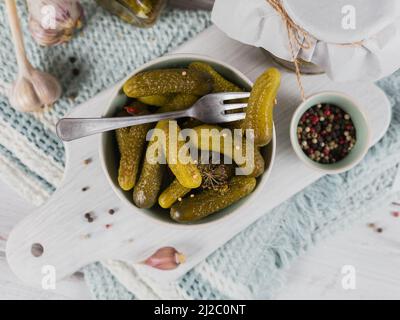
(256, 23)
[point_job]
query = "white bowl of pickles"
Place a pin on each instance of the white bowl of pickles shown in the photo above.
(201, 190)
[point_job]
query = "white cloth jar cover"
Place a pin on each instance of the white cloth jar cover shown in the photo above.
(352, 40)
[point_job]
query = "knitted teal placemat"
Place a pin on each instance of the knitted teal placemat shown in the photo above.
(31, 156)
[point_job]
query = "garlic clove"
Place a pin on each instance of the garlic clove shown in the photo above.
(167, 258)
(23, 96)
(47, 87)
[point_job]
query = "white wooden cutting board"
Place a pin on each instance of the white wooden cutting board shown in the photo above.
(70, 242)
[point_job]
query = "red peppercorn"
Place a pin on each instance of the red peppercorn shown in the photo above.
(132, 110)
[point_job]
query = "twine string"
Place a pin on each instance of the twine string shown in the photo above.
(296, 35)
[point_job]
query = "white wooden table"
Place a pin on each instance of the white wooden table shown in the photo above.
(317, 275)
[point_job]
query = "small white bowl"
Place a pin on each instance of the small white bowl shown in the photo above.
(361, 125)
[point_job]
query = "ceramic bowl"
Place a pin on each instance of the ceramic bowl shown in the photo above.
(360, 121)
(109, 153)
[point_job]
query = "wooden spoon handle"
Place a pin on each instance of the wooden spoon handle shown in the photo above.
(22, 60)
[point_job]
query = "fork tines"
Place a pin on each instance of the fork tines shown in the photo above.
(231, 117)
(234, 95)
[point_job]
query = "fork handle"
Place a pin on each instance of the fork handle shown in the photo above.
(69, 129)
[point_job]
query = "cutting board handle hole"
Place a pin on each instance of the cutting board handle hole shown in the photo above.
(37, 250)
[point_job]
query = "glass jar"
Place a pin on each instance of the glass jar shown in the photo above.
(141, 13)
(304, 66)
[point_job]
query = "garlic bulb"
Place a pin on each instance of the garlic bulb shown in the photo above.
(53, 22)
(167, 258)
(23, 96)
(33, 89)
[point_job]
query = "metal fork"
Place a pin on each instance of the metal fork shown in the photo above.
(212, 108)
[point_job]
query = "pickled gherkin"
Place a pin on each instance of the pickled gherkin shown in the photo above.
(259, 164)
(220, 83)
(191, 123)
(142, 8)
(167, 81)
(158, 101)
(205, 137)
(180, 101)
(207, 202)
(172, 194)
(142, 13)
(148, 187)
(187, 174)
(260, 110)
(131, 143)
(172, 102)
